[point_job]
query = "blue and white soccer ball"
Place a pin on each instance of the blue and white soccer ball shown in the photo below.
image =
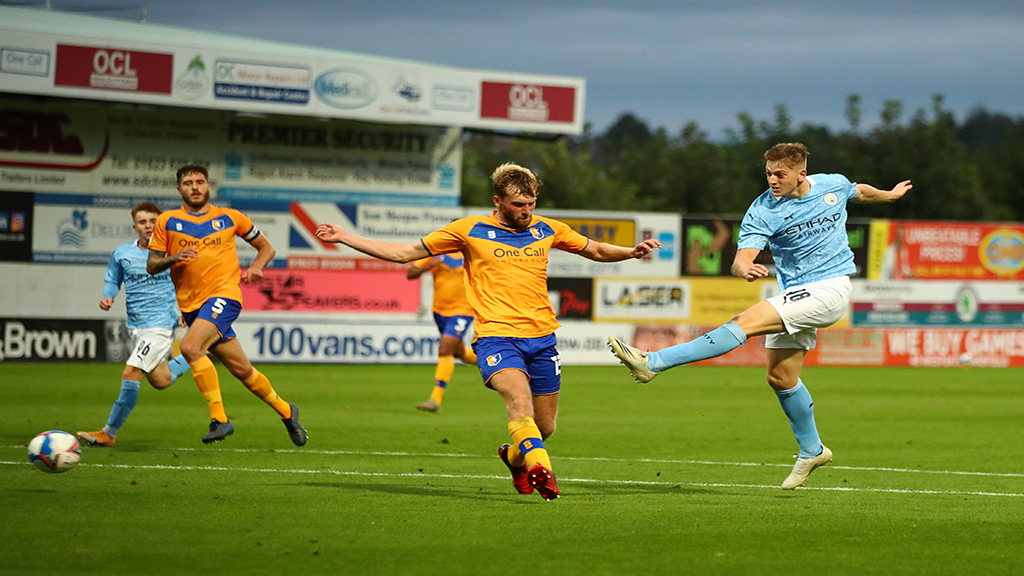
(54, 451)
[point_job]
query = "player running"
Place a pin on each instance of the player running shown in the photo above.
(506, 259)
(803, 219)
(197, 243)
(152, 317)
(453, 316)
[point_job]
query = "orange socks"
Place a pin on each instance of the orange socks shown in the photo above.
(259, 385)
(205, 375)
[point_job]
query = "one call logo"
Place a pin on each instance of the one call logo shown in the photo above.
(113, 69)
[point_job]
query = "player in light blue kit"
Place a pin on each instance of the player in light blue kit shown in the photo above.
(803, 219)
(152, 317)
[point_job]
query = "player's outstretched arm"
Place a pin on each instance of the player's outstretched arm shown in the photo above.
(390, 251)
(602, 252)
(868, 193)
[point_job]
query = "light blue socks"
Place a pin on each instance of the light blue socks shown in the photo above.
(799, 408)
(715, 343)
(126, 401)
(178, 366)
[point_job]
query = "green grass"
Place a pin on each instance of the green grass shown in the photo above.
(679, 476)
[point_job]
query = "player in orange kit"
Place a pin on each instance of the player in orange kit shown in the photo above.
(453, 316)
(506, 259)
(197, 242)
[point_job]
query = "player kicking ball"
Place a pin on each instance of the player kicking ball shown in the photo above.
(803, 219)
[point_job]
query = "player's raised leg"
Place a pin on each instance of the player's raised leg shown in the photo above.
(231, 354)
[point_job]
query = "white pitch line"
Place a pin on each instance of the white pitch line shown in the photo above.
(502, 477)
(576, 458)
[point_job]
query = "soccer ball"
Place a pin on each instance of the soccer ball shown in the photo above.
(54, 451)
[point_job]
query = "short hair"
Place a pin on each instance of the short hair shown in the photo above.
(512, 180)
(791, 154)
(145, 206)
(193, 169)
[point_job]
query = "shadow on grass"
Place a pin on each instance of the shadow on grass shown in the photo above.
(569, 489)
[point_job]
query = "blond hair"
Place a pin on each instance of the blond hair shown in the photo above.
(513, 180)
(792, 154)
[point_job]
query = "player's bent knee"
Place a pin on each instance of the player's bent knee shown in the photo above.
(778, 382)
(159, 383)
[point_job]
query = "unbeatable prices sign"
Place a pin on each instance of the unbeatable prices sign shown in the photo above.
(113, 69)
(947, 251)
(527, 102)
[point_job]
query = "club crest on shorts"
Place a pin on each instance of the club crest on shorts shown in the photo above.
(831, 199)
(494, 359)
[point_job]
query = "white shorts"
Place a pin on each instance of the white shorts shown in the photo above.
(151, 346)
(806, 308)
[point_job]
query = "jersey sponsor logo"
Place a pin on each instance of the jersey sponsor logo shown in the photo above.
(527, 252)
(184, 243)
(814, 224)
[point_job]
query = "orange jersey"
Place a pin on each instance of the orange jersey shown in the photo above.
(507, 271)
(449, 286)
(216, 271)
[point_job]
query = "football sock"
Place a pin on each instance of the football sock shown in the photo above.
(715, 343)
(468, 356)
(178, 366)
(122, 406)
(527, 444)
(442, 374)
(259, 385)
(437, 394)
(799, 408)
(205, 375)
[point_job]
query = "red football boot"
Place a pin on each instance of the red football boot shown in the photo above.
(519, 479)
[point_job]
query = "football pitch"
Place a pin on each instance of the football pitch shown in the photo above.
(679, 476)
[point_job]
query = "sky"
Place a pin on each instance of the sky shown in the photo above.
(670, 62)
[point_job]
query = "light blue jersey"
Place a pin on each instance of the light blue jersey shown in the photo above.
(807, 235)
(149, 299)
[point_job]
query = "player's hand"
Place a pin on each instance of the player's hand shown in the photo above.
(329, 232)
(755, 271)
(186, 255)
(899, 190)
(106, 303)
(646, 247)
(253, 274)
